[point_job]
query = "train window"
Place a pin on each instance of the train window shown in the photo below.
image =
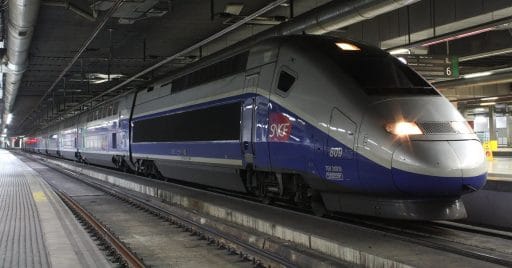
(385, 75)
(377, 73)
(229, 66)
(217, 123)
(114, 140)
(285, 81)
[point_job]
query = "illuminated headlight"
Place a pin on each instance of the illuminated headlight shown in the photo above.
(403, 128)
(348, 46)
(461, 127)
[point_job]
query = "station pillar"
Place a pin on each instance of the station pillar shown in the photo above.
(509, 130)
(492, 124)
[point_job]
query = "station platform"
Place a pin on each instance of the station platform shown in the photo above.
(490, 205)
(500, 168)
(503, 152)
(36, 228)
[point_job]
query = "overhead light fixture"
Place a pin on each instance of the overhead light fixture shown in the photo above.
(402, 60)
(9, 119)
(400, 51)
(233, 8)
(347, 46)
(458, 36)
(489, 98)
(98, 78)
(473, 75)
(487, 103)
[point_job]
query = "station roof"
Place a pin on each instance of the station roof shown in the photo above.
(63, 71)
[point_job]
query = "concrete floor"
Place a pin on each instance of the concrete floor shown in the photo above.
(500, 168)
(160, 244)
(36, 228)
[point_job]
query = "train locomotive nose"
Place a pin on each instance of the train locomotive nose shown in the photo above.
(439, 168)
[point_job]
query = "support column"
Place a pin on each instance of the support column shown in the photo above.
(492, 124)
(509, 130)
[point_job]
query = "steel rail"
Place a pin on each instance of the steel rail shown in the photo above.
(422, 239)
(426, 240)
(84, 46)
(261, 257)
(507, 235)
(234, 241)
(130, 259)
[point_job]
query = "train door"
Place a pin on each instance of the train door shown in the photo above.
(340, 162)
(248, 116)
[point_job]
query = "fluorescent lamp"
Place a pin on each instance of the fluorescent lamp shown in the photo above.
(487, 103)
(473, 75)
(489, 98)
(402, 60)
(347, 46)
(9, 119)
(233, 9)
(400, 51)
(458, 36)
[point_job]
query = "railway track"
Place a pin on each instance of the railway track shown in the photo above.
(445, 236)
(465, 240)
(235, 246)
(116, 249)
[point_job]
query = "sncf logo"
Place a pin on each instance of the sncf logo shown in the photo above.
(280, 127)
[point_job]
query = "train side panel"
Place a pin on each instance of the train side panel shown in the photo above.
(68, 138)
(191, 135)
(52, 141)
(100, 135)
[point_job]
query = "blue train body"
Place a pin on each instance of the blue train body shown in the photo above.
(286, 120)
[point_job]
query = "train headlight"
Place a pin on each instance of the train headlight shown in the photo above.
(347, 46)
(403, 128)
(461, 127)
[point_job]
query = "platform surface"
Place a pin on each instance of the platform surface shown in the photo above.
(500, 168)
(36, 228)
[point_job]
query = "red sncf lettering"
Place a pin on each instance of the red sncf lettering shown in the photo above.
(280, 127)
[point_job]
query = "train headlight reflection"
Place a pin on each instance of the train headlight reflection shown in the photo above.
(403, 128)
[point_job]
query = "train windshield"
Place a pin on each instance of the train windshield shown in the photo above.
(379, 73)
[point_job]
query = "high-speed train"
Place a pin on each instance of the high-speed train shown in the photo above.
(319, 121)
